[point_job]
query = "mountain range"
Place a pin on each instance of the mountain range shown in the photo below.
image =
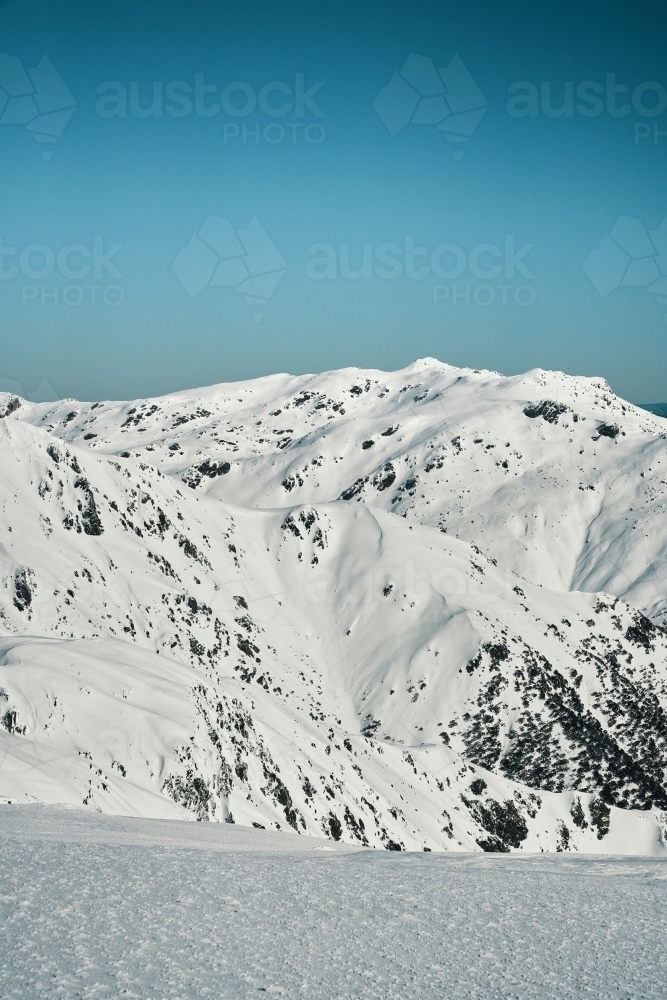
(418, 610)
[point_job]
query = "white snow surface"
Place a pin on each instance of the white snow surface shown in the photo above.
(95, 907)
(418, 610)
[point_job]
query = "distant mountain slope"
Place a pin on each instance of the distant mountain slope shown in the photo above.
(659, 409)
(554, 476)
(183, 633)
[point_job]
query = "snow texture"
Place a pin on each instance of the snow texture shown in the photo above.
(419, 610)
(97, 908)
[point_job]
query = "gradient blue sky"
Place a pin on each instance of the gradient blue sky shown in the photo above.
(150, 183)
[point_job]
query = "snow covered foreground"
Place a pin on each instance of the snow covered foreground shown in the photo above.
(96, 908)
(418, 610)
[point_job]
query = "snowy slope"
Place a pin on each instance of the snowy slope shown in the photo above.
(185, 635)
(572, 497)
(99, 907)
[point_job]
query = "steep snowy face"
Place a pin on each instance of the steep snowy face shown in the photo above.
(554, 476)
(303, 656)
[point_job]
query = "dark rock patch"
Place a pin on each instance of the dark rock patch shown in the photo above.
(548, 409)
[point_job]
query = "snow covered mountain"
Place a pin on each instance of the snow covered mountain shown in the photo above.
(418, 610)
(554, 476)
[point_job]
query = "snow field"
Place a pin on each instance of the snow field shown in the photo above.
(95, 908)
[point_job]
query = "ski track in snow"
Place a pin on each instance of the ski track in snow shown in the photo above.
(94, 908)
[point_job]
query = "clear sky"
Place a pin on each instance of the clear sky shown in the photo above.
(196, 193)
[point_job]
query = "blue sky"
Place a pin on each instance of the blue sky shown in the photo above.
(109, 289)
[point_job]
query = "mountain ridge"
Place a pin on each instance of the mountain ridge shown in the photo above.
(339, 616)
